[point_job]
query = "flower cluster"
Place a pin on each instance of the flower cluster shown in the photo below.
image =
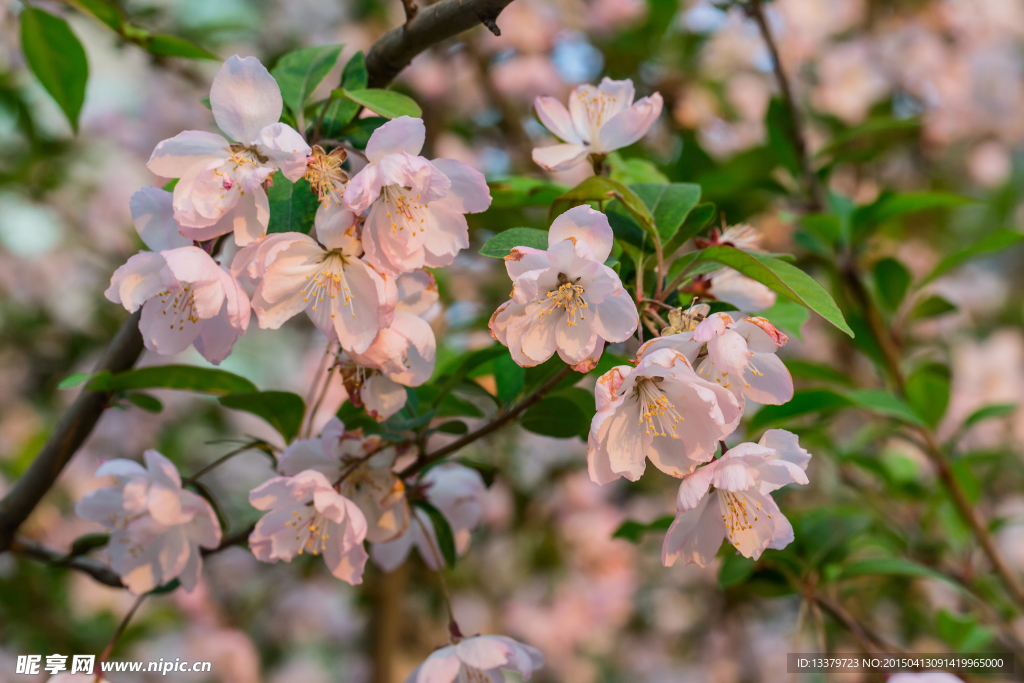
(359, 276)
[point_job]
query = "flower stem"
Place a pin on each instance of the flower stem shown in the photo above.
(120, 630)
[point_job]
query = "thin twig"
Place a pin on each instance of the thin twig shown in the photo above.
(221, 460)
(453, 626)
(120, 629)
(815, 194)
(497, 423)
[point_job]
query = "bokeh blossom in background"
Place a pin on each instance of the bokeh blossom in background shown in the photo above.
(577, 239)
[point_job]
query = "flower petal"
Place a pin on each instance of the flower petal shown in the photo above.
(586, 224)
(556, 119)
(153, 214)
(560, 157)
(631, 124)
(285, 149)
(403, 134)
(245, 98)
(468, 192)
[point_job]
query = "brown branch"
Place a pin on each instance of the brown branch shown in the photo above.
(68, 436)
(433, 24)
(494, 425)
(816, 196)
(97, 570)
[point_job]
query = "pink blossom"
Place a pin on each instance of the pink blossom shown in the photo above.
(306, 514)
(344, 296)
(220, 187)
(156, 526)
(641, 413)
(478, 658)
(402, 355)
(457, 492)
(369, 482)
(416, 207)
(187, 298)
(740, 507)
(598, 121)
(565, 299)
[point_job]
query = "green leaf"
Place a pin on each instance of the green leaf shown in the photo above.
(584, 400)
(520, 191)
(632, 170)
(73, 380)
(932, 307)
(825, 373)
(892, 279)
(87, 542)
(695, 223)
(509, 377)
(826, 227)
(505, 241)
(993, 411)
(442, 531)
(451, 405)
(146, 402)
(281, 409)
(341, 110)
(889, 566)
(557, 416)
(669, 204)
(387, 103)
(632, 530)
(173, 46)
(56, 58)
(106, 12)
(457, 370)
(300, 71)
(185, 377)
(884, 403)
(456, 427)
(866, 219)
(359, 131)
(168, 587)
(781, 127)
(601, 189)
(995, 242)
(783, 278)
(787, 315)
(803, 403)
(292, 205)
(735, 570)
(927, 392)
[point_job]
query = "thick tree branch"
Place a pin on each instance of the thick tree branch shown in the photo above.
(433, 24)
(68, 436)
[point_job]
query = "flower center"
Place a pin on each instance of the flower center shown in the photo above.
(472, 675)
(182, 305)
(597, 106)
(404, 210)
(324, 173)
(569, 296)
(659, 414)
(736, 513)
(329, 282)
(310, 524)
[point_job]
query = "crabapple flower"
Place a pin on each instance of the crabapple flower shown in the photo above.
(730, 285)
(187, 298)
(661, 410)
(416, 207)
(741, 357)
(598, 121)
(739, 507)
(456, 491)
(306, 514)
(325, 174)
(221, 183)
(478, 658)
(565, 299)
(156, 526)
(402, 355)
(344, 297)
(369, 483)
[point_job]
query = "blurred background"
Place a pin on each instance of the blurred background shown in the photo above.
(908, 95)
